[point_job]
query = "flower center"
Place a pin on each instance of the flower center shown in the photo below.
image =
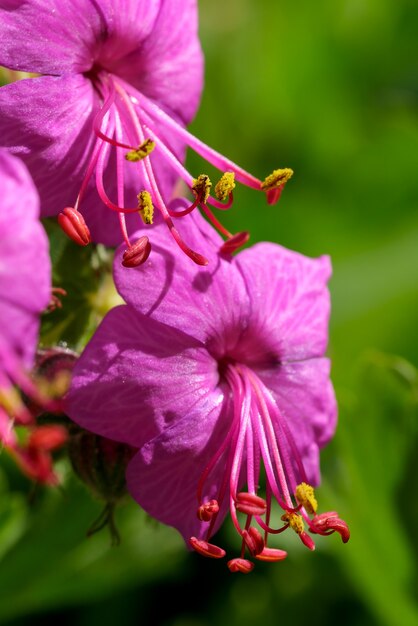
(258, 437)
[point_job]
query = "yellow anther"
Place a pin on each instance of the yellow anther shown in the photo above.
(225, 185)
(201, 187)
(141, 152)
(306, 497)
(145, 206)
(295, 522)
(10, 401)
(54, 388)
(277, 179)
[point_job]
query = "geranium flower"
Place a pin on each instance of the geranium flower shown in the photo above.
(119, 78)
(215, 374)
(25, 291)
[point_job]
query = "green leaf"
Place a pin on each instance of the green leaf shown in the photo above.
(53, 564)
(372, 488)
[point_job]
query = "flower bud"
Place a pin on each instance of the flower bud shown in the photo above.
(100, 463)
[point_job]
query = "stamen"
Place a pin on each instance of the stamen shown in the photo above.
(201, 187)
(305, 495)
(307, 541)
(294, 520)
(141, 152)
(327, 523)
(137, 254)
(225, 186)
(55, 302)
(206, 549)
(277, 179)
(271, 555)
(145, 206)
(235, 242)
(74, 226)
(253, 540)
(250, 504)
(240, 565)
(151, 181)
(207, 510)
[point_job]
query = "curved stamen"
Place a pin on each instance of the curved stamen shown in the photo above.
(101, 162)
(108, 93)
(178, 166)
(209, 154)
(149, 176)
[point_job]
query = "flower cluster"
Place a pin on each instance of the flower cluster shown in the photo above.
(212, 379)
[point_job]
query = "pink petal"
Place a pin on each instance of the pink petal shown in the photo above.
(53, 135)
(289, 299)
(163, 477)
(25, 271)
(210, 302)
(66, 36)
(168, 67)
(136, 376)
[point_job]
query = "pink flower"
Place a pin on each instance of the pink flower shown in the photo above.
(25, 291)
(214, 375)
(119, 78)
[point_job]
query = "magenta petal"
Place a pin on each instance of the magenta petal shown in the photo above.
(136, 376)
(25, 272)
(163, 477)
(289, 298)
(53, 135)
(169, 65)
(61, 36)
(210, 302)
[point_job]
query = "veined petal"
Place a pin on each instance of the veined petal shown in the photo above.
(67, 36)
(211, 302)
(47, 122)
(136, 376)
(164, 476)
(168, 66)
(55, 139)
(305, 396)
(289, 299)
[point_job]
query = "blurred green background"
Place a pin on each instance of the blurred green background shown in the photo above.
(329, 88)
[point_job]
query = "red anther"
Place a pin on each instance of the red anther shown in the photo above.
(36, 464)
(207, 510)
(271, 555)
(253, 540)
(48, 437)
(240, 565)
(73, 225)
(327, 523)
(197, 258)
(250, 504)
(206, 549)
(308, 541)
(55, 302)
(137, 254)
(273, 195)
(234, 242)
